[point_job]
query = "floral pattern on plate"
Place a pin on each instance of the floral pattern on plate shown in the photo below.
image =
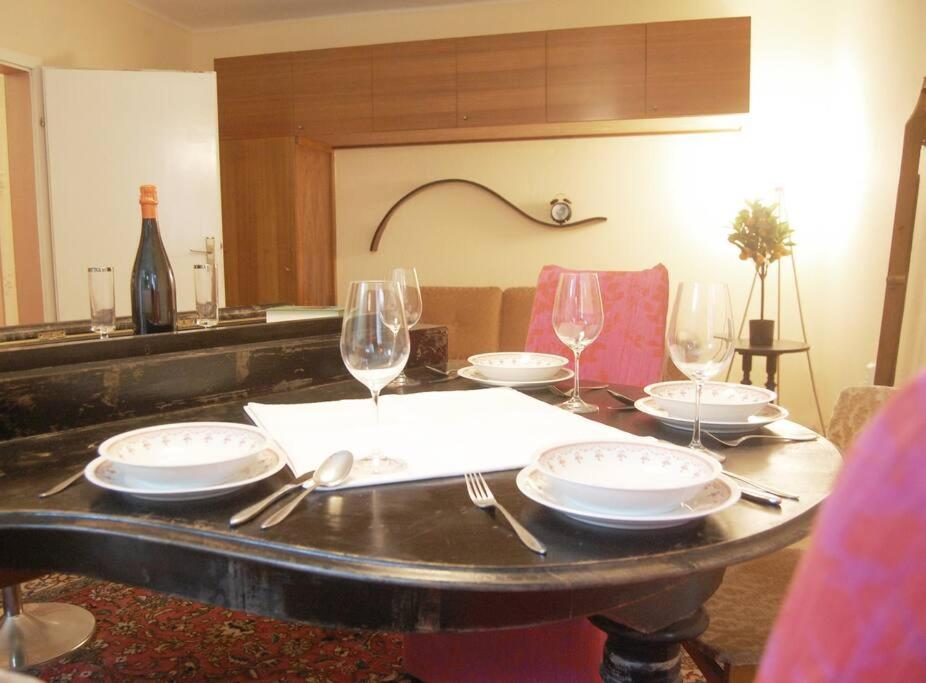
(102, 473)
(209, 441)
(519, 360)
(629, 465)
(718, 393)
(717, 496)
(767, 415)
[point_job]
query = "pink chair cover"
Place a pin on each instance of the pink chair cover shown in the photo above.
(856, 611)
(631, 347)
(629, 351)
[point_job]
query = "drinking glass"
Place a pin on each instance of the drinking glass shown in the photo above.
(102, 300)
(375, 347)
(204, 287)
(578, 317)
(407, 280)
(700, 337)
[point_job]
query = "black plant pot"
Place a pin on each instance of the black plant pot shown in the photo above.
(761, 332)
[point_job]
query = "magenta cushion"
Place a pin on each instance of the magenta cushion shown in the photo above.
(631, 347)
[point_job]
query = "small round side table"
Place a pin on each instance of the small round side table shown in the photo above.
(778, 348)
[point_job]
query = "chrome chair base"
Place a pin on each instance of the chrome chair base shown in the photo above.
(35, 633)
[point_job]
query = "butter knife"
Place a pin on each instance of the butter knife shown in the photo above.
(252, 511)
(59, 487)
(760, 497)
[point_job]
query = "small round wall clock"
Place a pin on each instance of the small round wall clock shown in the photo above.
(560, 209)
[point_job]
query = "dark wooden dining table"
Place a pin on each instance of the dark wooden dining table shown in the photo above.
(411, 557)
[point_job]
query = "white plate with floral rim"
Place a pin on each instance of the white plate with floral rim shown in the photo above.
(720, 401)
(472, 374)
(713, 498)
(772, 412)
(100, 472)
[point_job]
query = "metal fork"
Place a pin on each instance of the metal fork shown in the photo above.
(481, 495)
(770, 437)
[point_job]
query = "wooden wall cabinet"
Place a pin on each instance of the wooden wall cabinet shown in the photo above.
(501, 79)
(596, 74)
(278, 226)
(415, 85)
(333, 91)
(255, 96)
(697, 67)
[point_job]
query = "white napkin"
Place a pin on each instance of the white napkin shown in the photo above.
(437, 434)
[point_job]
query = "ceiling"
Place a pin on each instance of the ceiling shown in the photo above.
(207, 14)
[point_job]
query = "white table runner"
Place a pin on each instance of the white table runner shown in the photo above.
(437, 434)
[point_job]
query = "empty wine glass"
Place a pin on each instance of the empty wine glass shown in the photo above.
(700, 337)
(578, 317)
(102, 300)
(375, 347)
(407, 280)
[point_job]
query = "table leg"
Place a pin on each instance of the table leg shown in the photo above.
(771, 371)
(631, 656)
(747, 368)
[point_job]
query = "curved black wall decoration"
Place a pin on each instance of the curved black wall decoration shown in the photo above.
(381, 228)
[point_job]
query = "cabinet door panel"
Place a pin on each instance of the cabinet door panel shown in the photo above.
(255, 96)
(501, 79)
(596, 74)
(333, 91)
(315, 231)
(697, 67)
(258, 221)
(415, 85)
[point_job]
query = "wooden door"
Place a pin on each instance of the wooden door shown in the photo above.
(258, 202)
(596, 74)
(415, 85)
(501, 79)
(314, 239)
(697, 67)
(256, 96)
(333, 91)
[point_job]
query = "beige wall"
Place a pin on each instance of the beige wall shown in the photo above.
(93, 34)
(832, 84)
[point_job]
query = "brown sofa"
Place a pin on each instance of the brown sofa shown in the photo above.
(485, 319)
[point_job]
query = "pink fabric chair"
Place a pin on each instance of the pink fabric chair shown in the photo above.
(628, 351)
(631, 347)
(855, 611)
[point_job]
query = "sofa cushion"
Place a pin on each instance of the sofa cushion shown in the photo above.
(517, 303)
(631, 346)
(471, 315)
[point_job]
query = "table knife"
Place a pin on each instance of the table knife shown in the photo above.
(760, 497)
(252, 511)
(57, 488)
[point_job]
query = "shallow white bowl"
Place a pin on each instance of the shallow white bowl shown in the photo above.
(184, 454)
(632, 477)
(517, 366)
(720, 401)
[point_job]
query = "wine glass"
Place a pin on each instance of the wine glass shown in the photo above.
(578, 317)
(102, 300)
(700, 337)
(407, 280)
(375, 347)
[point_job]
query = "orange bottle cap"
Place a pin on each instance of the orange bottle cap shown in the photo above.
(149, 194)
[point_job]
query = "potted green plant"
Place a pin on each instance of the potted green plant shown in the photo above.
(761, 236)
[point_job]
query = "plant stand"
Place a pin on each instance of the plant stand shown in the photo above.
(779, 346)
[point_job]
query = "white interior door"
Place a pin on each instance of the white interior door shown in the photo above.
(108, 133)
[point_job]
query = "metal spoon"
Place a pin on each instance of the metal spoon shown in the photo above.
(333, 471)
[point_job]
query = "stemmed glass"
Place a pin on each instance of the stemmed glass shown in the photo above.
(407, 280)
(578, 317)
(700, 337)
(102, 300)
(375, 347)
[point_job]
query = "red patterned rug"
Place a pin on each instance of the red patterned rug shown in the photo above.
(146, 636)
